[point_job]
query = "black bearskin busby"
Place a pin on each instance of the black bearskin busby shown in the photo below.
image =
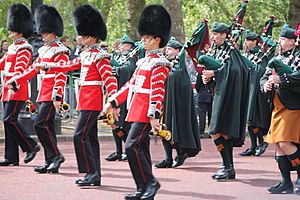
(156, 21)
(48, 20)
(89, 22)
(19, 19)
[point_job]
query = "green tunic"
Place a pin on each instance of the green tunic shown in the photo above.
(229, 111)
(179, 111)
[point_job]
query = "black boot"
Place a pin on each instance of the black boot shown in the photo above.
(41, 169)
(224, 148)
(6, 162)
(31, 155)
(248, 152)
(54, 166)
(286, 185)
(226, 173)
(113, 157)
(90, 179)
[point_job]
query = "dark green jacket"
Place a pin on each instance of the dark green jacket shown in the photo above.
(229, 111)
(179, 111)
(259, 109)
(289, 89)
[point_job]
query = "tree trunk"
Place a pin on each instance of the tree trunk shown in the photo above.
(175, 9)
(105, 8)
(294, 16)
(134, 9)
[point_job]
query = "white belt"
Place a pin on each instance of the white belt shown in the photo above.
(9, 73)
(141, 90)
(48, 75)
(85, 83)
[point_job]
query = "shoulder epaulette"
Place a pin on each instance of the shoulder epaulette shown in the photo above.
(25, 46)
(61, 49)
(101, 55)
(161, 61)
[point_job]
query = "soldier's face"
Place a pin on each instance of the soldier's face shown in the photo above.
(249, 44)
(286, 44)
(171, 53)
(14, 35)
(218, 38)
(150, 42)
(125, 47)
(46, 37)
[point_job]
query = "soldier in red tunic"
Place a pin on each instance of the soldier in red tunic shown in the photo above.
(14, 62)
(50, 25)
(145, 93)
(95, 71)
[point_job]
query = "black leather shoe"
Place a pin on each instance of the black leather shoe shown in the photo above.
(151, 189)
(31, 155)
(179, 160)
(218, 172)
(124, 157)
(89, 180)
(225, 173)
(114, 156)
(163, 164)
(135, 196)
(297, 187)
(261, 149)
(281, 188)
(41, 169)
(54, 166)
(248, 152)
(6, 162)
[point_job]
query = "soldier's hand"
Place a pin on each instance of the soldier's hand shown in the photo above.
(107, 107)
(268, 86)
(116, 113)
(56, 105)
(39, 66)
(274, 79)
(154, 124)
(11, 92)
(206, 75)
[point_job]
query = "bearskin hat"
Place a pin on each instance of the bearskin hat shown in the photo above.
(156, 21)
(48, 20)
(19, 19)
(89, 22)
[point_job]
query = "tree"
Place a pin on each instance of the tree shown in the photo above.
(175, 9)
(294, 13)
(134, 9)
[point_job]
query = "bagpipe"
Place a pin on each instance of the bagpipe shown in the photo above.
(116, 63)
(268, 46)
(281, 68)
(235, 30)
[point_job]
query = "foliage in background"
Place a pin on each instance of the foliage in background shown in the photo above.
(194, 11)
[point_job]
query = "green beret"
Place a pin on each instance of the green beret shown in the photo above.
(127, 39)
(288, 32)
(174, 43)
(220, 27)
(251, 35)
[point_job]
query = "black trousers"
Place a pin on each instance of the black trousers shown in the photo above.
(138, 153)
(203, 109)
(45, 130)
(15, 134)
(86, 142)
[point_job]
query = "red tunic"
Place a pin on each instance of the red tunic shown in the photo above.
(145, 90)
(14, 63)
(95, 72)
(52, 82)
